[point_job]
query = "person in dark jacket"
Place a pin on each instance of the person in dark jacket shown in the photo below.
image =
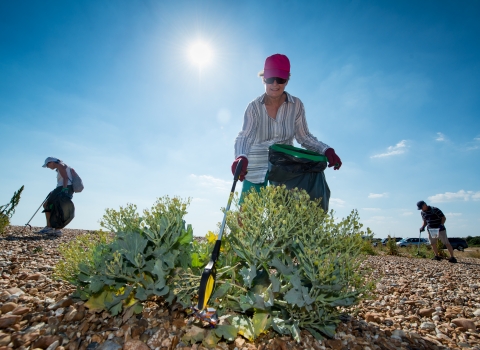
(434, 218)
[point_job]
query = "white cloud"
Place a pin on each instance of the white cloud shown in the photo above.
(371, 209)
(455, 196)
(440, 137)
(378, 219)
(475, 144)
(453, 214)
(337, 201)
(407, 213)
(399, 148)
(200, 200)
(211, 182)
(378, 195)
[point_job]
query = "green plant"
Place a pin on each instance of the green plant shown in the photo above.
(367, 246)
(7, 210)
(473, 241)
(84, 249)
(392, 247)
(441, 252)
(37, 250)
(380, 249)
(287, 266)
(126, 219)
(422, 251)
(140, 261)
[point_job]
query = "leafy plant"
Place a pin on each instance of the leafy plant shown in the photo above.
(422, 251)
(288, 266)
(7, 210)
(84, 249)
(441, 252)
(392, 247)
(367, 247)
(473, 241)
(140, 261)
(37, 250)
(284, 265)
(126, 219)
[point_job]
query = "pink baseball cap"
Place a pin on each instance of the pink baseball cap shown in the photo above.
(277, 65)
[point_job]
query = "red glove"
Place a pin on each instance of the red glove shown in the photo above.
(244, 167)
(333, 159)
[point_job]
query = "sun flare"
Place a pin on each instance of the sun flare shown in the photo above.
(200, 53)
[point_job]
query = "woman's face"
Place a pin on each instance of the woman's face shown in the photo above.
(50, 165)
(275, 89)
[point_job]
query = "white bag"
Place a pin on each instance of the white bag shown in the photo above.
(77, 182)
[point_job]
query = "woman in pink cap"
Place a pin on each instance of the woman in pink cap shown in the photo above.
(275, 117)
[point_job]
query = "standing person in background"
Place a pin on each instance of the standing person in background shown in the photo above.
(433, 218)
(64, 187)
(275, 117)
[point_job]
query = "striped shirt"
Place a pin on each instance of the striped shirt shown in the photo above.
(259, 132)
(433, 217)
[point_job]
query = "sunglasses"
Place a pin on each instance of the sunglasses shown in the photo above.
(271, 80)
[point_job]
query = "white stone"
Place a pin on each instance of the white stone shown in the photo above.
(427, 325)
(398, 333)
(59, 311)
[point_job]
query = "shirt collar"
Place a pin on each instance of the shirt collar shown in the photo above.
(289, 98)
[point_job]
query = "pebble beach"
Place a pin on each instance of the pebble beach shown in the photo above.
(417, 304)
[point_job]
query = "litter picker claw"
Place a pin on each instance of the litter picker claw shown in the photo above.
(207, 281)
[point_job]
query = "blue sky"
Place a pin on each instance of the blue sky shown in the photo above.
(108, 87)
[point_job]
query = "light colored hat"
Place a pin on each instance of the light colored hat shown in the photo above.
(51, 159)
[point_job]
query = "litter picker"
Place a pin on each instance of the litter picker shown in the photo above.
(207, 281)
(420, 235)
(28, 223)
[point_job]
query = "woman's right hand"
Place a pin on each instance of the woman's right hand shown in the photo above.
(244, 167)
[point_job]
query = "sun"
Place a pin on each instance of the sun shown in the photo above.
(200, 53)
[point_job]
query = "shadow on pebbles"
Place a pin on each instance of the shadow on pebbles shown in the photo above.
(417, 304)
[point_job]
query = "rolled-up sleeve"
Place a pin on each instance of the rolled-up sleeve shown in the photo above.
(302, 134)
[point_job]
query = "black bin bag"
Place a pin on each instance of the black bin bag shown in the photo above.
(297, 167)
(63, 211)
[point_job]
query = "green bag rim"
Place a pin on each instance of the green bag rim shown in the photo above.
(299, 152)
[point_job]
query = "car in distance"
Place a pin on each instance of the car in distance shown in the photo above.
(412, 241)
(384, 241)
(457, 243)
(397, 239)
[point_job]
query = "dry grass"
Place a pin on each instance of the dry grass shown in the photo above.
(427, 252)
(473, 252)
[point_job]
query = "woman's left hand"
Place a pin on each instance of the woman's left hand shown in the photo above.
(333, 159)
